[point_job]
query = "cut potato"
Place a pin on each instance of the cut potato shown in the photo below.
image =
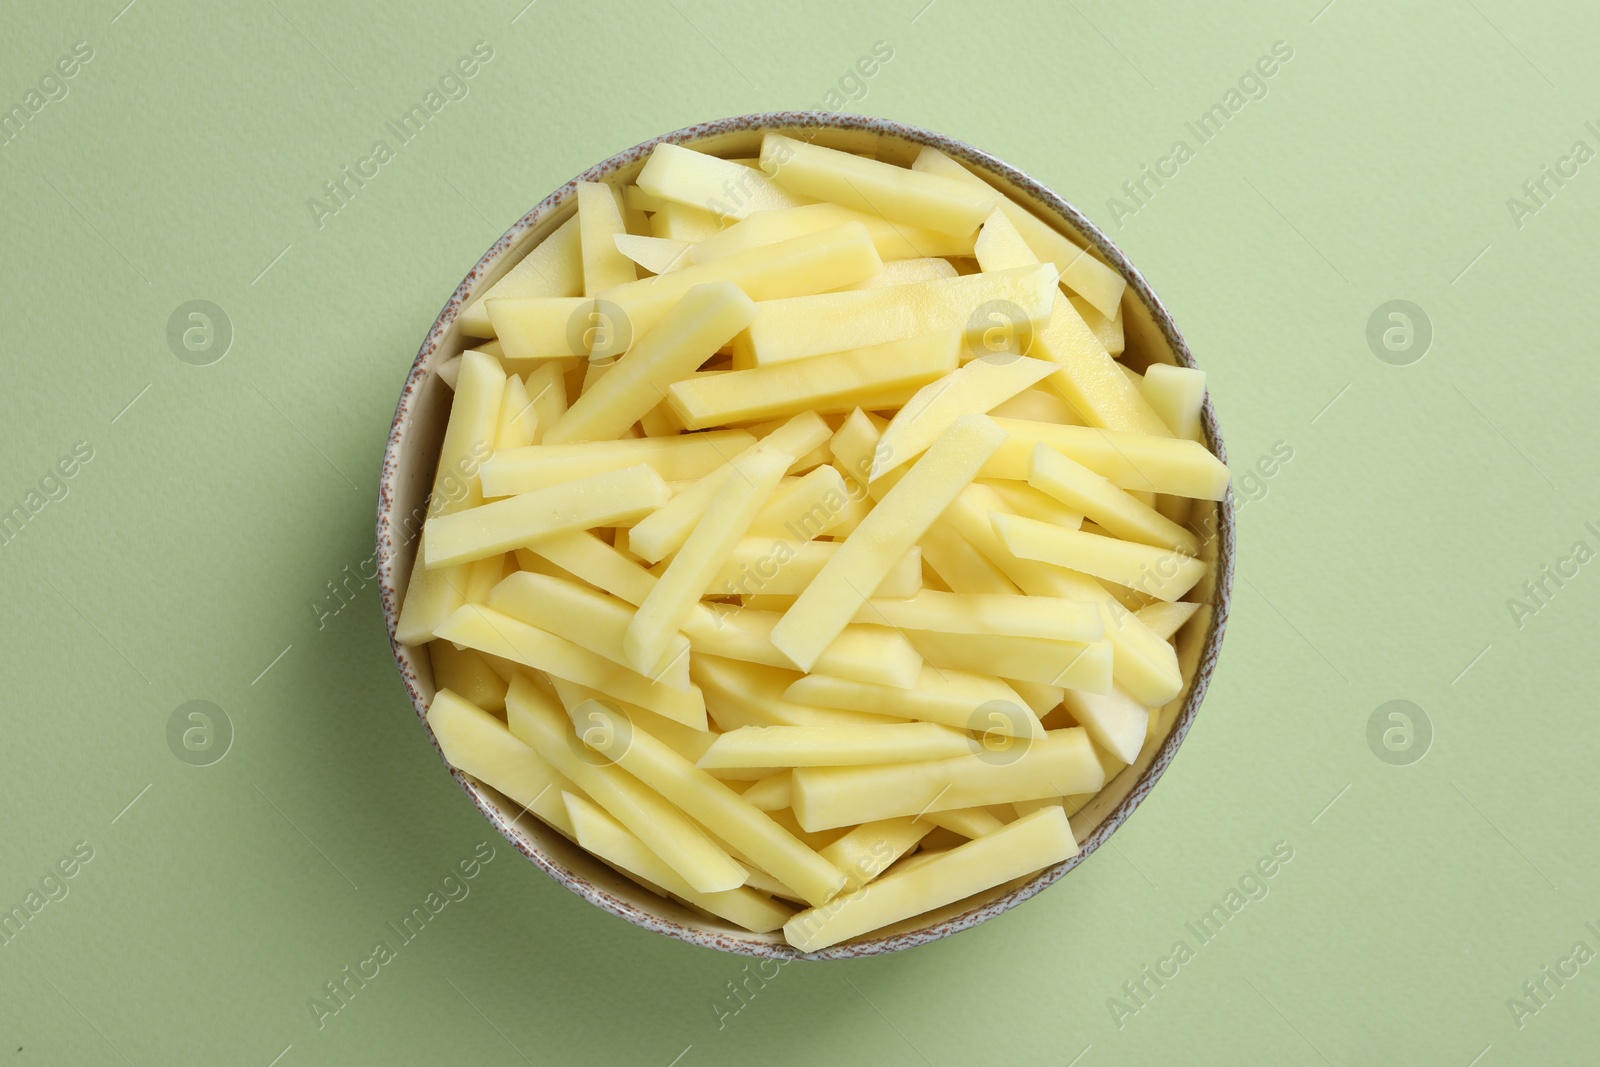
(686, 336)
(1048, 618)
(719, 809)
(900, 195)
(1158, 572)
(837, 382)
(1177, 394)
(953, 697)
(497, 634)
(542, 724)
(476, 743)
(1136, 462)
(1095, 282)
(801, 326)
(1030, 844)
(1059, 763)
(906, 511)
(607, 838)
(599, 223)
(720, 186)
(655, 254)
(524, 470)
(814, 552)
(893, 241)
(598, 500)
(553, 268)
(836, 746)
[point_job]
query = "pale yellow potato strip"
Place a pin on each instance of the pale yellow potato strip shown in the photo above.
(599, 221)
(968, 822)
(960, 699)
(1136, 462)
(687, 336)
(1165, 619)
(811, 263)
(847, 580)
(770, 793)
(597, 500)
(893, 240)
(1050, 618)
(1097, 283)
(911, 197)
(476, 743)
(1143, 663)
(1088, 378)
(1109, 331)
(836, 746)
(720, 186)
(500, 635)
(608, 839)
(1158, 572)
(663, 532)
(906, 271)
(1030, 844)
(742, 495)
(1111, 508)
(686, 741)
(585, 617)
(971, 390)
(547, 327)
(468, 674)
(469, 439)
(866, 653)
(522, 470)
(785, 566)
(553, 267)
(1177, 394)
(1059, 763)
(655, 254)
(832, 383)
(751, 694)
(868, 850)
(1116, 721)
(1074, 664)
(543, 725)
(813, 506)
(724, 813)
(802, 326)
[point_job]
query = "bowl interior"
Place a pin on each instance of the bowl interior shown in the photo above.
(418, 432)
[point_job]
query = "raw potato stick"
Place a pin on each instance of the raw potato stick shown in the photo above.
(611, 841)
(888, 532)
(797, 327)
(598, 500)
(954, 698)
(835, 746)
(476, 743)
(1049, 618)
(893, 240)
(523, 470)
(737, 502)
(553, 267)
(1059, 763)
(1113, 509)
(836, 382)
(1030, 844)
(543, 725)
(490, 631)
(723, 812)
(1136, 462)
(689, 334)
(895, 193)
(1157, 572)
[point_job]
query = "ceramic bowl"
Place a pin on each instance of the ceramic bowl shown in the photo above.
(412, 454)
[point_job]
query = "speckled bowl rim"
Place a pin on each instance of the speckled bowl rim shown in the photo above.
(1042, 198)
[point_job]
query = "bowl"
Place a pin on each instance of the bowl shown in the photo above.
(412, 454)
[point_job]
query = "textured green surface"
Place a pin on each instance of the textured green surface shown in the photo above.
(1375, 564)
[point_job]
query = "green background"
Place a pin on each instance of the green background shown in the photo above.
(1375, 565)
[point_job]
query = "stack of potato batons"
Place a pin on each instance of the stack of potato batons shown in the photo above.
(799, 545)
